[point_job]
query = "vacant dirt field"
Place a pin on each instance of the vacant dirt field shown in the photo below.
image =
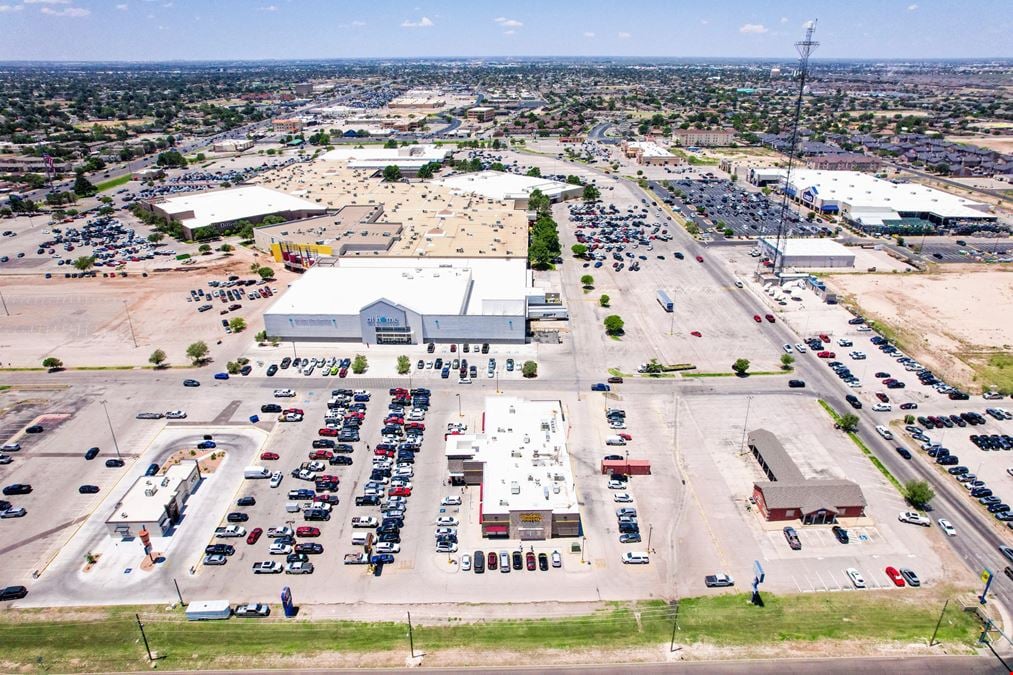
(1002, 144)
(958, 322)
(84, 322)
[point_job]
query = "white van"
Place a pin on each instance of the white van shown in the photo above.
(635, 558)
(615, 440)
(292, 507)
(358, 540)
(256, 472)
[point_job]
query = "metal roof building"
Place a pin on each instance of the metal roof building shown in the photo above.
(807, 253)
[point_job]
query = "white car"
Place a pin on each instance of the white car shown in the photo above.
(557, 560)
(856, 577)
(447, 521)
(787, 348)
(858, 356)
(466, 562)
(914, 518)
(451, 500)
(10, 447)
(175, 415)
(276, 479)
(800, 348)
(387, 547)
(635, 558)
(446, 547)
(882, 407)
(947, 527)
(278, 548)
(442, 531)
(616, 484)
(622, 498)
(284, 393)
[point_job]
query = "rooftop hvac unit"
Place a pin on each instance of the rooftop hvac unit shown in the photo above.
(555, 489)
(165, 481)
(150, 491)
(546, 492)
(504, 502)
(515, 488)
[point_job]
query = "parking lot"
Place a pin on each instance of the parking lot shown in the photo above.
(958, 250)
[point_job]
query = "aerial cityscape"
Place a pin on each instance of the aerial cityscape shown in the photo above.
(629, 338)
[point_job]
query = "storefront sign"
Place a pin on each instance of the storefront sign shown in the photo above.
(383, 321)
(531, 518)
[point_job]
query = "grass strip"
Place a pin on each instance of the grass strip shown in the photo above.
(34, 640)
(864, 448)
(115, 182)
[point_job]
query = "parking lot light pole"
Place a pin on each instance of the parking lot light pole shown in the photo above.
(650, 532)
(459, 413)
(111, 432)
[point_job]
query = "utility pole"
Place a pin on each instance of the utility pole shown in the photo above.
(144, 637)
(178, 593)
(650, 533)
(675, 625)
(130, 323)
(742, 444)
(459, 413)
(111, 432)
(6, 311)
(932, 640)
(411, 637)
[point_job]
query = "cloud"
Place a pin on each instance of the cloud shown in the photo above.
(623, 35)
(424, 22)
(753, 28)
(912, 8)
(704, 22)
(508, 23)
(510, 32)
(74, 12)
(588, 34)
(784, 19)
(47, 2)
(10, 8)
(123, 8)
(268, 8)
(352, 24)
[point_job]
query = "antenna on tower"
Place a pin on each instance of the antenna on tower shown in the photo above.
(805, 48)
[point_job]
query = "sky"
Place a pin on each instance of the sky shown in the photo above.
(155, 30)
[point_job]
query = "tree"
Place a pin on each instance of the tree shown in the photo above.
(740, 366)
(197, 352)
(390, 144)
(391, 173)
(587, 281)
(232, 367)
(225, 248)
(539, 254)
(83, 186)
(427, 170)
(786, 361)
(52, 363)
(614, 324)
(157, 358)
(237, 324)
(261, 336)
(918, 493)
(156, 237)
(848, 422)
(579, 250)
(529, 369)
(265, 272)
(404, 364)
(205, 249)
(171, 158)
(604, 300)
(591, 193)
(84, 263)
(534, 172)
(359, 364)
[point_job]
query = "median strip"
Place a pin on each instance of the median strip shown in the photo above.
(861, 446)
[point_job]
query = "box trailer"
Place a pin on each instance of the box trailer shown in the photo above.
(665, 301)
(626, 467)
(208, 610)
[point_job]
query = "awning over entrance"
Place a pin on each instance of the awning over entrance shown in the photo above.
(496, 529)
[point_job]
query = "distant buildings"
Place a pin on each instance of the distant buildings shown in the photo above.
(650, 153)
(303, 89)
(18, 164)
(845, 161)
(287, 125)
(511, 187)
(807, 253)
(704, 137)
(232, 145)
(482, 114)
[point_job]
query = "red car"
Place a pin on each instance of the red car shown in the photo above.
(327, 478)
(895, 576)
(254, 535)
(530, 559)
(307, 531)
(882, 397)
(769, 317)
(699, 258)
(270, 455)
(383, 452)
(343, 372)
(327, 431)
(493, 560)
(294, 411)
(453, 348)
(394, 420)
(625, 436)
(356, 414)
(330, 499)
(400, 492)
(824, 338)
(696, 333)
(826, 355)
(416, 425)
(398, 391)
(321, 454)
(757, 319)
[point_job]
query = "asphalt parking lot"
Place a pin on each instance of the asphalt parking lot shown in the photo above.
(948, 250)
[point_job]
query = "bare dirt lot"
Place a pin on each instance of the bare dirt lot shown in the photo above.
(957, 322)
(84, 322)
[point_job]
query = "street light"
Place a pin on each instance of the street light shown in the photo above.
(459, 413)
(111, 432)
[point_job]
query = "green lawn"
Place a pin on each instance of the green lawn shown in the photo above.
(115, 182)
(111, 641)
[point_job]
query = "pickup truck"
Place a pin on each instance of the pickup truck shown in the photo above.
(230, 531)
(793, 541)
(364, 521)
(718, 580)
(267, 567)
(914, 518)
(284, 531)
(356, 559)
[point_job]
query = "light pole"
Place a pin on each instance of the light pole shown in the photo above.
(111, 432)
(650, 532)
(130, 323)
(459, 413)
(6, 311)
(742, 445)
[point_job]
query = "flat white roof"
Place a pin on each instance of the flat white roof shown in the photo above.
(503, 185)
(137, 506)
(523, 446)
(810, 247)
(377, 153)
(650, 149)
(860, 191)
(433, 286)
(222, 206)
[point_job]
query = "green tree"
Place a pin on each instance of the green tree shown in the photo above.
(539, 255)
(587, 281)
(579, 250)
(849, 422)
(359, 364)
(156, 237)
(157, 358)
(918, 493)
(52, 363)
(237, 324)
(391, 143)
(427, 170)
(232, 367)
(591, 193)
(391, 173)
(84, 263)
(529, 369)
(604, 300)
(261, 336)
(786, 361)
(265, 272)
(614, 324)
(83, 186)
(226, 248)
(404, 364)
(171, 158)
(205, 249)
(534, 172)
(197, 352)
(740, 366)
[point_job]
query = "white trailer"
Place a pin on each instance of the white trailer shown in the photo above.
(208, 610)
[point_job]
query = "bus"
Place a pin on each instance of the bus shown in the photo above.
(665, 301)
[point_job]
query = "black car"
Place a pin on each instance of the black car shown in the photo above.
(17, 489)
(316, 514)
(285, 363)
(270, 408)
(237, 517)
(517, 559)
(92, 453)
(191, 383)
(853, 400)
(322, 443)
(840, 533)
(479, 563)
(34, 429)
(13, 593)
(219, 549)
(367, 500)
(309, 547)
(246, 501)
(152, 469)
(340, 460)
(114, 463)
(271, 370)
(88, 489)
(390, 537)
(796, 384)
(903, 452)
